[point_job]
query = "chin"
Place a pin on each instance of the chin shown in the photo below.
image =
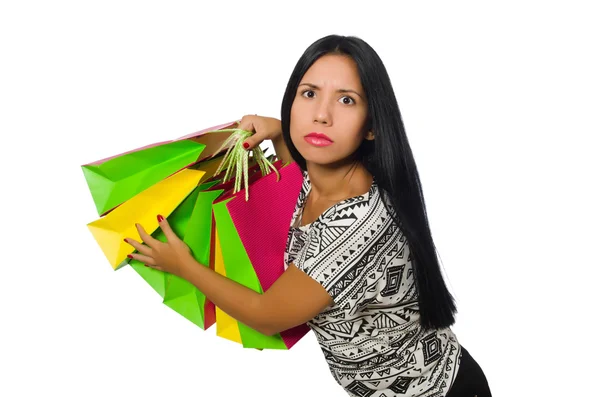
(323, 156)
(325, 159)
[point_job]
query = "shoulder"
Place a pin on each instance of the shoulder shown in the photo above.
(369, 210)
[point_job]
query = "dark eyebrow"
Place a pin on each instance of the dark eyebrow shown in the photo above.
(343, 90)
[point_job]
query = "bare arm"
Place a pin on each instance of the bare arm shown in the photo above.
(281, 150)
(292, 300)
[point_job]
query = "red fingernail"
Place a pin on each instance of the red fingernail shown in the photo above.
(125, 239)
(130, 257)
(160, 218)
(146, 265)
(246, 145)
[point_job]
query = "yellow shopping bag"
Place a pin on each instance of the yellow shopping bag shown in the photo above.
(227, 326)
(161, 198)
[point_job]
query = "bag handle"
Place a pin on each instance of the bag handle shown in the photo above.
(236, 159)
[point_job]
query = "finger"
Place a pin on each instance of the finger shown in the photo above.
(166, 228)
(155, 267)
(244, 119)
(146, 238)
(249, 123)
(261, 126)
(148, 260)
(252, 142)
(141, 248)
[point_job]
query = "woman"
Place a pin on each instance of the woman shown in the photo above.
(362, 267)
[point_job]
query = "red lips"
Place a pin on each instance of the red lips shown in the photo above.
(317, 139)
(318, 135)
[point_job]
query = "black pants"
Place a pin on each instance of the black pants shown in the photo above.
(470, 380)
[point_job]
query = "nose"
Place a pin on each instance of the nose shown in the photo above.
(322, 113)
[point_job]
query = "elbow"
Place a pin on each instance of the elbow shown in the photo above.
(268, 332)
(267, 327)
(263, 320)
(269, 324)
(272, 331)
(262, 328)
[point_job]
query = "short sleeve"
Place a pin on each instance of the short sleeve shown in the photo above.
(339, 248)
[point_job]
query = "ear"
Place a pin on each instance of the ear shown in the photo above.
(370, 136)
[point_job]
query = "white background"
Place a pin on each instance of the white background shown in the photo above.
(500, 102)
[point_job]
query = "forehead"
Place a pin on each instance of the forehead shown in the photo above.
(337, 71)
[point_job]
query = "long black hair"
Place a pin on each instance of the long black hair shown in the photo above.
(390, 160)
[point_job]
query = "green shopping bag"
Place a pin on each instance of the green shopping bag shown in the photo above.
(192, 222)
(114, 180)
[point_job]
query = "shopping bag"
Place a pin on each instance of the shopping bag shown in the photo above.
(227, 326)
(192, 222)
(178, 220)
(161, 198)
(116, 179)
(252, 235)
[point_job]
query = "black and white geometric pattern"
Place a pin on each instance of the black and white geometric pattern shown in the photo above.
(370, 336)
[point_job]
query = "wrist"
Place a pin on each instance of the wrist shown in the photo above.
(278, 138)
(277, 133)
(187, 266)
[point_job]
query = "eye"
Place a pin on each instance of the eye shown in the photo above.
(346, 100)
(308, 93)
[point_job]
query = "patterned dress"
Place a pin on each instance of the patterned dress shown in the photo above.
(370, 335)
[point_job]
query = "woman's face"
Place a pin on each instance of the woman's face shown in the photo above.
(329, 112)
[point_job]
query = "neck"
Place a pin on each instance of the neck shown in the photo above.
(337, 182)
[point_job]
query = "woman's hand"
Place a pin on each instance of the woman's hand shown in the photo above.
(170, 257)
(265, 128)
